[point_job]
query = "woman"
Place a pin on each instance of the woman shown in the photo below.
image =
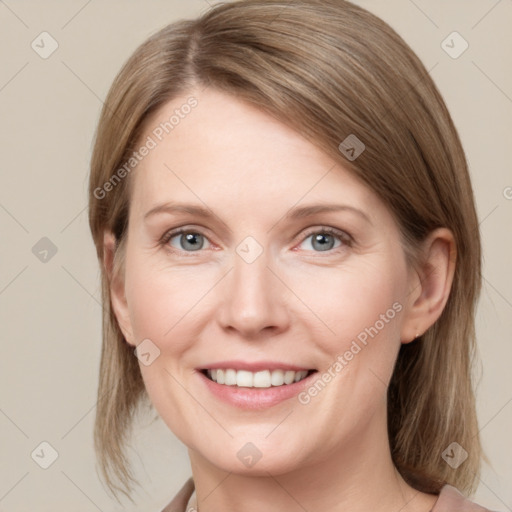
(290, 264)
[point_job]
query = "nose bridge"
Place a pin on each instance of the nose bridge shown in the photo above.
(253, 298)
(251, 277)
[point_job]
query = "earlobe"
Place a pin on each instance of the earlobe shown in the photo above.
(117, 288)
(430, 288)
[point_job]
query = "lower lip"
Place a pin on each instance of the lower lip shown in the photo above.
(255, 398)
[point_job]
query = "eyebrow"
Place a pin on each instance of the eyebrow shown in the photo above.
(294, 213)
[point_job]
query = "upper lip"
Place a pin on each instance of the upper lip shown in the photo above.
(253, 366)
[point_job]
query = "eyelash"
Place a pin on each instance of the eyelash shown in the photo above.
(344, 237)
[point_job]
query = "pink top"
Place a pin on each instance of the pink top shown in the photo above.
(449, 500)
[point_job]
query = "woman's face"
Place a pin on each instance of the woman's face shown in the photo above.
(264, 277)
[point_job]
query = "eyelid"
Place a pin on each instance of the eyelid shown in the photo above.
(168, 235)
(342, 235)
(327, 229)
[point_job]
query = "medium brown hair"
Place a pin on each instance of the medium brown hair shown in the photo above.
(328, 69)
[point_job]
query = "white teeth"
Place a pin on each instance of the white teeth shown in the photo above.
(230, 377)
(243, 378)
(289, 376)
(277, 378)
(261, 379)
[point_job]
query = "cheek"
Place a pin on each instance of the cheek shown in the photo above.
(348, 302)
(361, 305)
(165, 305)
(163, 300)
(362, 308)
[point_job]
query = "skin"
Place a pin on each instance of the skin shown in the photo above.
(294, 303)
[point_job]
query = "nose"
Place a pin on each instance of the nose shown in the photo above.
(253, 301)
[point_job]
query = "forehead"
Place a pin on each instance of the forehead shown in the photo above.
(223, 149)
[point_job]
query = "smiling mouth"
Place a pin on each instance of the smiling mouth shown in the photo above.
(261, 379)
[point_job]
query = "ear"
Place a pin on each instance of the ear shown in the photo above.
(117, 288)
(430, 284)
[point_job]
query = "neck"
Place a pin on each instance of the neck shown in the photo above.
(358, 476)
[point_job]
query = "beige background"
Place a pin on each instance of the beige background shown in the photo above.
(51, 312)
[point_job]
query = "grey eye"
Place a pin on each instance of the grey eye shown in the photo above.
(321, 241)
(189, 241)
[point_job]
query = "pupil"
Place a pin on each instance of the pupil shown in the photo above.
(321, 238)
(191, 238)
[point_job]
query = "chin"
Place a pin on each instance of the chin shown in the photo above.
(248, 458)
